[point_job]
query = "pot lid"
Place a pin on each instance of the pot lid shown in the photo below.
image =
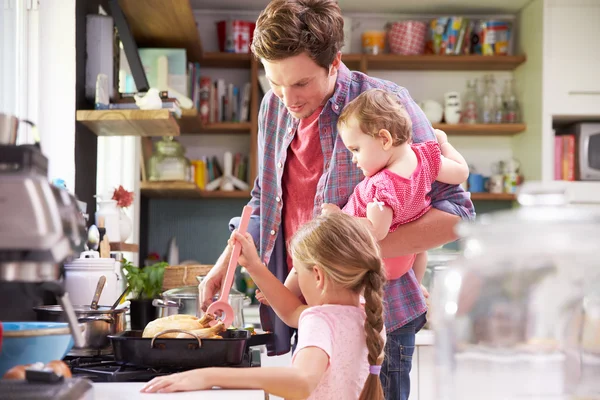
(185, 292)
(82, 309)
(191, 292)
(91, 259)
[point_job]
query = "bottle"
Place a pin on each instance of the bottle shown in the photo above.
(470, 110)
(488, 101)
(511, 104)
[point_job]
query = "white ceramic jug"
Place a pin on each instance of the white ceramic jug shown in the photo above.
(82, 274)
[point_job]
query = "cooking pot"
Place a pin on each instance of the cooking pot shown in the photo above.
(184, 300)
(98, 325)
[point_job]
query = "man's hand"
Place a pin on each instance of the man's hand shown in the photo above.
(441, 136)
(328, 208)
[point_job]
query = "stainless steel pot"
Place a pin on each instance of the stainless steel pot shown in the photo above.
(184, 300)
(98, 325)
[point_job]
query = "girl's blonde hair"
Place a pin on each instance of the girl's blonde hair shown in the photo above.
(376, 109)
(349, 255)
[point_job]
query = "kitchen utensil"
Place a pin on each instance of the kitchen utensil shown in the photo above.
(184, 300)
(131, 348)
(98, 292)
(30, 342)
(98, 325)
(517, 314)
(82, 275)
(118, 301)
(93, 238)
(221, 308)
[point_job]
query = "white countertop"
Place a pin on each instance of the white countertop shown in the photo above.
(131, 391)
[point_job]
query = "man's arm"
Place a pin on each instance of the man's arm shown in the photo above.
(450, 202)
(433, 229)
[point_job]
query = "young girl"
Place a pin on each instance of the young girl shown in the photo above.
(376, 128)
(340, 348)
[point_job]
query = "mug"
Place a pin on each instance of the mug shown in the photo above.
(476, 183)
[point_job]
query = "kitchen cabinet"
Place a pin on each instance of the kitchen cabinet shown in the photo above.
(573, 56)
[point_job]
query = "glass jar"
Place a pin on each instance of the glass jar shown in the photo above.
(168, 162)
(518, 314)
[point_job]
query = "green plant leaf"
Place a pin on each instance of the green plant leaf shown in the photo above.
(145, 283)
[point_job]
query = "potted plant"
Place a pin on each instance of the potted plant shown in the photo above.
(145, 285)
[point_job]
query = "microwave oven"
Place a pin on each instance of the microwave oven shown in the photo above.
(587, 136)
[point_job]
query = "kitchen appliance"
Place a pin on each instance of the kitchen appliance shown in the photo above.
(41, 227)
(99, 324)
(82, 274)
(106, 369)
(588, 150)
(518, 314)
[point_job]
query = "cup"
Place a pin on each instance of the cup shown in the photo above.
(476, 183)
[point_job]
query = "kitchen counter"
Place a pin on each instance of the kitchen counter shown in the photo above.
(131, 391)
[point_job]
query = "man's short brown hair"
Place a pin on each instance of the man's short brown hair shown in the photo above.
(287, 28)
(375, 109)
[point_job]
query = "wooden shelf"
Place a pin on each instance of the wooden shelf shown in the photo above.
(481, 129)
(129, 122)
(163, 23)
(433, 62)
(190, 124)
(484, 196)
(353, 61)
(226, 60)
(186, 190)
(129, 247)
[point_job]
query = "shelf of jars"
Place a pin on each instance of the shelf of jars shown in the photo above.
(434, 62)
(481, 129)
(186, 190)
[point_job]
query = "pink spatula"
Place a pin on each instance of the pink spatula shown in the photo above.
(221, 307)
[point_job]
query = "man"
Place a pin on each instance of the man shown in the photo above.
(303, 164)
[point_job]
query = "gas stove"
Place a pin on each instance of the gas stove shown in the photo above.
(103, 368)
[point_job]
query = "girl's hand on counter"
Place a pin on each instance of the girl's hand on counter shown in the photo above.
(196, 379)
(249, 256)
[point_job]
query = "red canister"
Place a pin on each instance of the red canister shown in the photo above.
(407, 37)
(235, 36)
